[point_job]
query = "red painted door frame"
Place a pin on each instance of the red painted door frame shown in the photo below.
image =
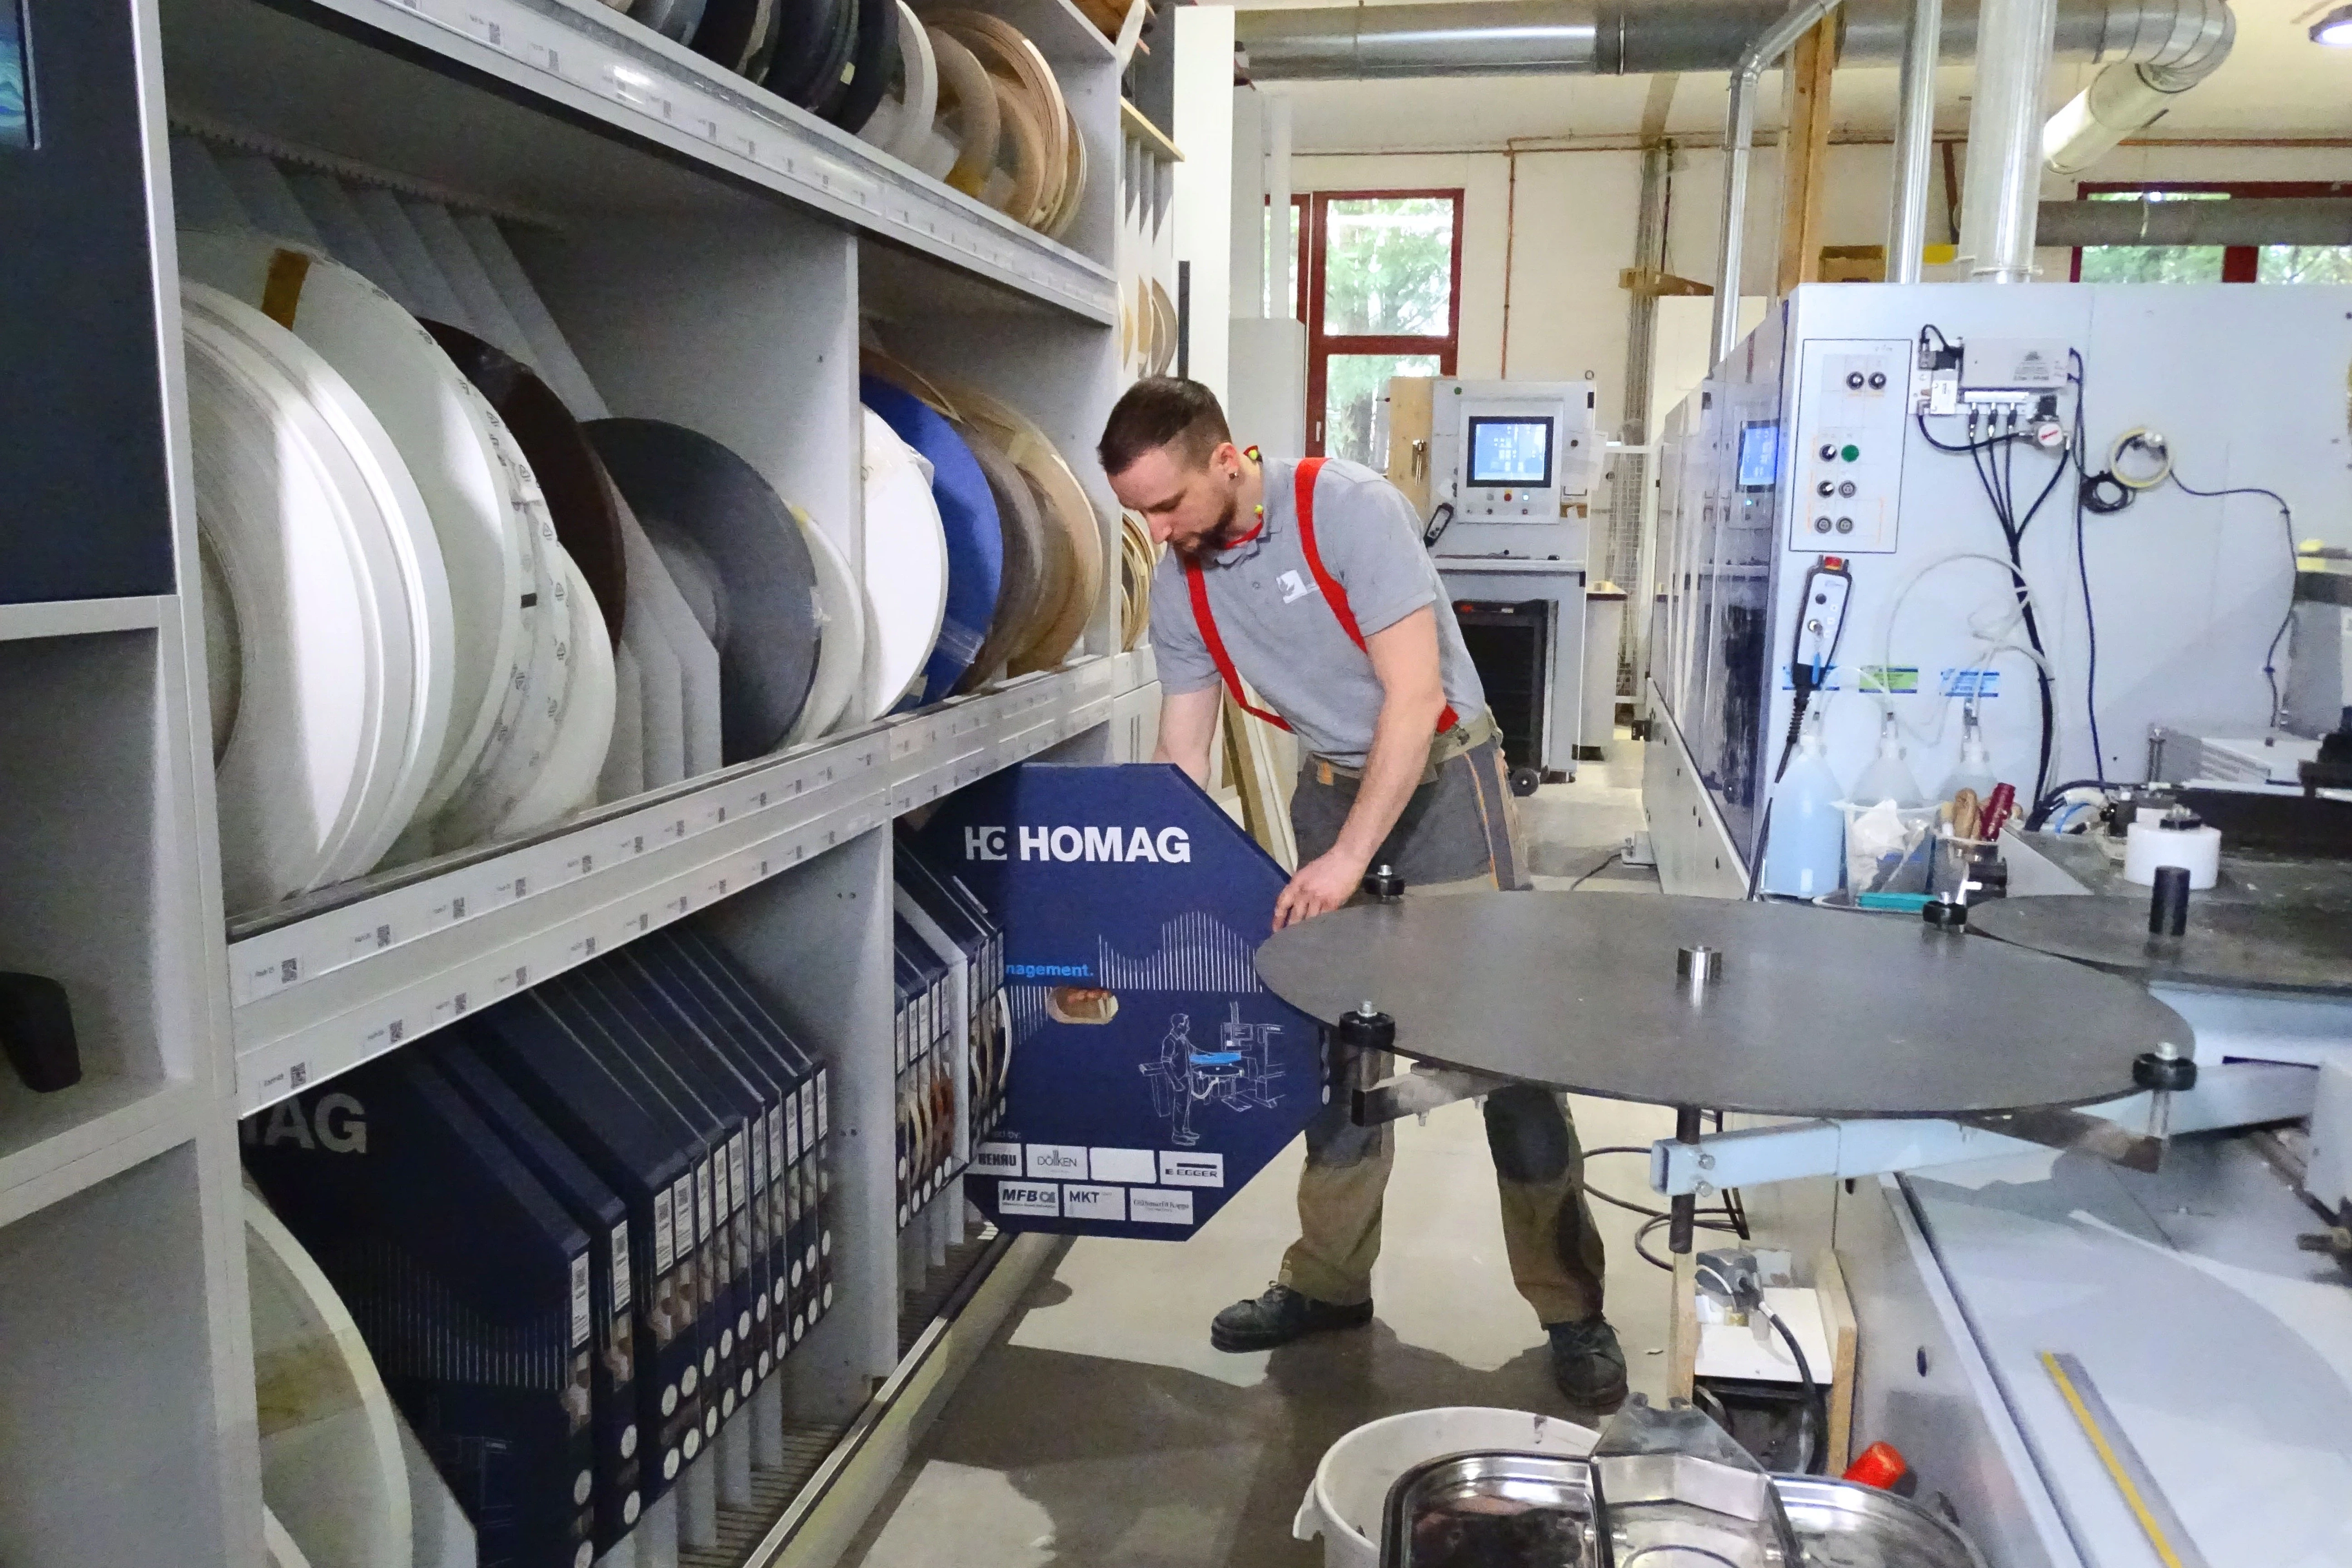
(1322, 345)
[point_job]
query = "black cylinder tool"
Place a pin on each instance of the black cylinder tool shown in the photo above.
(2168, 906)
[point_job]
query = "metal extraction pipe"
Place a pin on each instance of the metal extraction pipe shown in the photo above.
(1999, 203)
(1738, 141)
(1632, 37)
(1915, 144)
(2188, 42)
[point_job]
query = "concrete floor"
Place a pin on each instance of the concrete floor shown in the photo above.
(1104, 1430)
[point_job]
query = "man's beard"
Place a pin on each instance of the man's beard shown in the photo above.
(1216, 539)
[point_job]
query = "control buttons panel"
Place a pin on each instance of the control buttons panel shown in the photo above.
(1853, 400)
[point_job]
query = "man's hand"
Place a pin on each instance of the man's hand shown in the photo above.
(1321, 886)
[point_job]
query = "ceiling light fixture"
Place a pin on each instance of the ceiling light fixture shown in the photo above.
(2335, 29)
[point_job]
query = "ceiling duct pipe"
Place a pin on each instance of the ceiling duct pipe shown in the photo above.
(2000, 202)
(1634, 37)
(2184, 43)
(1738, 141)
(1914, 144)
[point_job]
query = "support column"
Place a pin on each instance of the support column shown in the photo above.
(1804, 153)
(1683, 1208)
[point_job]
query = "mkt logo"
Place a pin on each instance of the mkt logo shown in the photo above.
(1169, 845)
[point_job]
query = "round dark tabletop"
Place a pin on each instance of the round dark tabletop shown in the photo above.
(2235, 946)
(1810, 1015)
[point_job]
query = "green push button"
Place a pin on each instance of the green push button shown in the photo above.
(1851, 453)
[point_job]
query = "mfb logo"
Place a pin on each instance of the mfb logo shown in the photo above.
(1170, 846)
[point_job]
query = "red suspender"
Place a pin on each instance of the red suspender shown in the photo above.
(1224, 661)
(1333, 595)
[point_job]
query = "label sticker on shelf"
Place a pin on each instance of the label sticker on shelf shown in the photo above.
(579, 1318)
(640, 90)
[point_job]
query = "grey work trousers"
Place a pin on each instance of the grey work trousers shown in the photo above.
(1459, 834)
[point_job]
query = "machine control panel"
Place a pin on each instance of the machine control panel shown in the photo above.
(1512, 452)
(1853, 412)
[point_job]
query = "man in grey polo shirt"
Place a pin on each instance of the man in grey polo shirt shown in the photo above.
(1308, 582)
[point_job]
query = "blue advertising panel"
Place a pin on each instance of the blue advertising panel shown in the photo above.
(1151, 1075)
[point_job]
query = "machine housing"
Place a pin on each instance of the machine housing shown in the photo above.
(1503, 472)
(1842, 426)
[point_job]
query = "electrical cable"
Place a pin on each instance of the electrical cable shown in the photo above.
(1642, 1234)
(1817, 1414)
(2146, 440)
(1997, 478)
(2287, 516)
(1610, 859)
(2050, 800)
(2083, 566)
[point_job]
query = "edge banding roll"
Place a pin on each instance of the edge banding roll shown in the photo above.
(331, 1467)
(967, 114)
(300, 613)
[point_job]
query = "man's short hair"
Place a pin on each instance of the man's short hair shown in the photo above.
(1162, 411)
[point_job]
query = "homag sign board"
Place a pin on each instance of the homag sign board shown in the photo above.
(1151, 1075)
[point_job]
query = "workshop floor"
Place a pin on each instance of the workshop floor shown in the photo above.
(1103, 1430)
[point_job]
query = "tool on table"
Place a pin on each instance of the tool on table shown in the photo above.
(1966, 809)
(1999, 806)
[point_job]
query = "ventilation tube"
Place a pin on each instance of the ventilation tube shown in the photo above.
(2181, 43)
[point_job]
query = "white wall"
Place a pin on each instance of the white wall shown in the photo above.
(1575, 218)
(1204, 215)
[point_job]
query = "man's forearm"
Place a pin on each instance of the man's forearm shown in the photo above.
(1392, 772)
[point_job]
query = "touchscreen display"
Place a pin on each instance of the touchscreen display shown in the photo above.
(1760, 455)
(1510, 452)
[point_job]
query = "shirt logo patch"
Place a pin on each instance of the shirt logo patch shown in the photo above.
(1294, 587)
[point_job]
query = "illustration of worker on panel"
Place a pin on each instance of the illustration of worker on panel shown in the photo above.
(1237, 1073)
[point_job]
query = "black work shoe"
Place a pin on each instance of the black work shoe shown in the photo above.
(1586, 1362)
(1280, 1316)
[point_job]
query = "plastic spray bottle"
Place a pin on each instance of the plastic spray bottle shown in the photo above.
(1888, 777)
(1805, 856)
(1974, 770)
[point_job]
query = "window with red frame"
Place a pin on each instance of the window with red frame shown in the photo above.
(2213, 263)
(1378, 276)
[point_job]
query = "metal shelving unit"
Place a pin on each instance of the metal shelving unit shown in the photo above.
(714, 256)
(318, 992)
(586, 66)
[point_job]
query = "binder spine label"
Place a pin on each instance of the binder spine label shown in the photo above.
(580, 1313)
(665, 1235)
(736, 1172)
(698, 1201)
(620, 1268)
